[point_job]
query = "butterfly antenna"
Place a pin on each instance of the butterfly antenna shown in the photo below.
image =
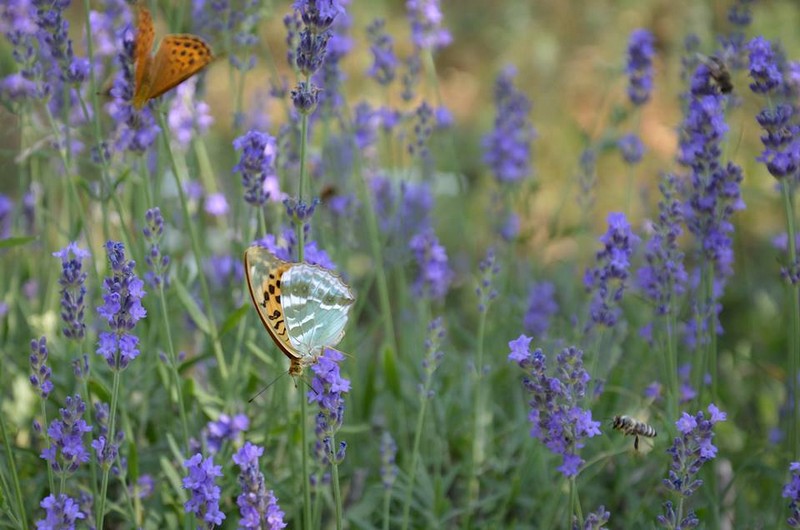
(266, 387)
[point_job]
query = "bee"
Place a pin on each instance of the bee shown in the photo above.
(718, 72)
(632, 427)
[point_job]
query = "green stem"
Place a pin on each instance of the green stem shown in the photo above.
(337, 494)
(793, 293)
(301, 189)
(304, 465)
(50, 478)
(14, 476)
(387, 499)
(110, 440)
(415, 455)
(478, 431)
(173, 363)
(187, 219)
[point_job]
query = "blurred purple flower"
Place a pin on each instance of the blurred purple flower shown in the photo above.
(156, 261)
(740, 13)
(507, 149)
(73, 290)
(388, 450)
(542, 306)
(489, 269)
(258, 508)
(200, 481)
(594, 520)
(631, 148)
(791, 491)
(384, 60)
(423, 128)
(663, 278)
(257, 165)
(122, 309)
(216, 205)
(225, 428)
(434, 274)
(188, 115)
(640, 66)
(607, 280)
(425, 17)
(233, 21)
(557, 419)
(763, 66)
(40, 372)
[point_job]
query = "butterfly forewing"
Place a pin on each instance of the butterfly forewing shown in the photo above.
(178, 58)
(264, 272)
(145, 34)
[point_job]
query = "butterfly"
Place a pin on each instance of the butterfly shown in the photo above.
(177, 58)
(304, 307)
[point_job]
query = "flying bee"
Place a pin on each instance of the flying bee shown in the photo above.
(631, 427)
(718, 72)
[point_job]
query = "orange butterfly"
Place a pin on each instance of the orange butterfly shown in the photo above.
(178, 58)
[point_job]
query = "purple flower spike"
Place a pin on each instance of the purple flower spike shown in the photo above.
(200, 481)
(122, 309)
(40, 372)
(73, 290)
(258, 507)
(558, 421)
(61, 513)
(640, 66)
(507, 149)
(67, 451)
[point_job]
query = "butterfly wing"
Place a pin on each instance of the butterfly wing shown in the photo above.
(145, 34)
(264, 273)
(178, 58)
(316, 305)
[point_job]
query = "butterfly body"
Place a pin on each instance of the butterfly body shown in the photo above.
(178, 57)
(304, 307)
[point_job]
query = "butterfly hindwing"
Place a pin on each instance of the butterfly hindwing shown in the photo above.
(316, 305)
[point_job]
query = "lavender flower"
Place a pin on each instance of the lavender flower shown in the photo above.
(594, 520)
(689, 451)
(225, 428)
(781, 154)
(204, 503)
(156, 261)
(507, 149)
(188, 116)
(257, 165)
(61, 513)
(425, 17)
(587, 178)
(434, 276)
(763, 66)
(66, 451)
(664, 276)
(327, 389)
(384, 65)
(106, 451)
(542, 306)
(122, 309)
(234, 21)
(433, 357)
(791, 491)
(489, 269)
(388, 450)
(73, 290)
(40, 372)
(640, 66)
(557, 419)
(330, 77)
(423, 128)
(607, 279)
(258, 508)
(631, 148)
(740, 13)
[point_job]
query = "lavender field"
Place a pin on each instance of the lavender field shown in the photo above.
(509, 264)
